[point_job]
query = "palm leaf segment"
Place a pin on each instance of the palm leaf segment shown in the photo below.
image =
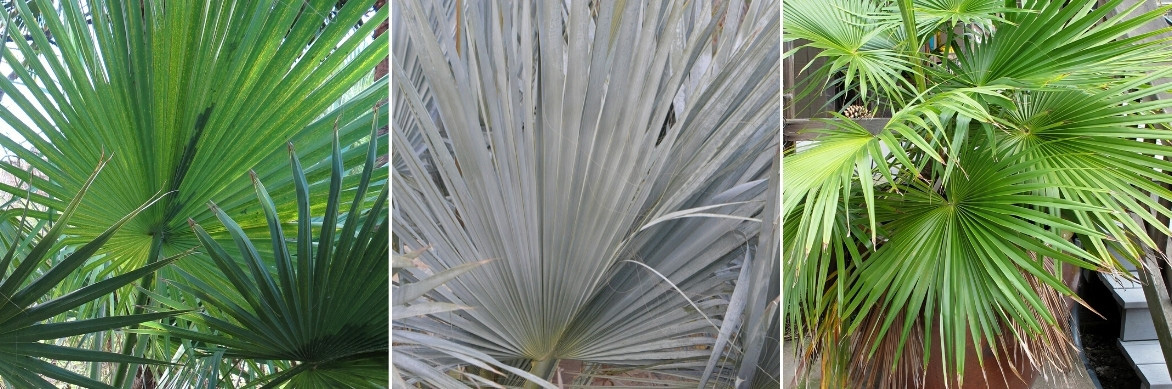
(325, 307)
(26, 302)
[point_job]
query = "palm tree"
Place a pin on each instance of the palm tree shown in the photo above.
(538, 136)
(951, 224)
(187, 100)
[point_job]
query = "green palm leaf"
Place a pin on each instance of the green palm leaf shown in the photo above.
(856, 41)
(29, 302)
(931, 14)
(967, 255)
(187, 99)
(1061, 45)
(328, 312)
(1088, 140)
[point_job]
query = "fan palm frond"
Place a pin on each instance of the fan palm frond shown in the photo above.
(326, 306)
(538, 137)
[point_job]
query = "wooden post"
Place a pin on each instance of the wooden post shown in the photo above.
(1159, 304)
(798, 129)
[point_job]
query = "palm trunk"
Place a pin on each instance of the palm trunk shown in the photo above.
(543, 368)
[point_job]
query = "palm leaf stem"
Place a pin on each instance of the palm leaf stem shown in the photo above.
(140, 302)
(909, 27)
(543, 368)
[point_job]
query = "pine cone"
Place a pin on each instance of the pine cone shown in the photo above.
(857, 112)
